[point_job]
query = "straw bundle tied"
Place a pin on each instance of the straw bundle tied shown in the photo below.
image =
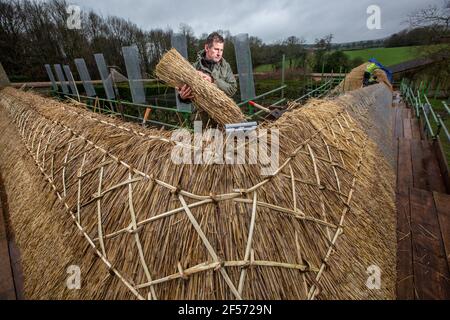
(177, 71)
(86, 190)
(354, 80)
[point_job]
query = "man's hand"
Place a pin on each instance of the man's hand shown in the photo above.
(185, 92)
(205, 76)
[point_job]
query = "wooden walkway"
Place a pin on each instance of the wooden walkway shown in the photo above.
(423, 213)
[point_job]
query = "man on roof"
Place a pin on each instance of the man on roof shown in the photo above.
(212, 67)
(369, 74)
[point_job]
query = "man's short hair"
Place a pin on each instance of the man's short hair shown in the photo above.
(214, 37)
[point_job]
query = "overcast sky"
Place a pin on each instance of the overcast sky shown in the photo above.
(270, 20)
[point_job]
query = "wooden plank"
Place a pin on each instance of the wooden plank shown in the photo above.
(407, 131)
(404, 167)
(435, 181)
(409, 113)
(7, 289)
(419, 173)
(442, 202)
(415, 129)
(404, 113)
(405, 274)
(431, 274)
(423, 132)
(398, 123)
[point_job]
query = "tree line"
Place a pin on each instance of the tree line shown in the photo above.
(34, 32)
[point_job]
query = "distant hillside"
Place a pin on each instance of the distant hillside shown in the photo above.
(387, 56)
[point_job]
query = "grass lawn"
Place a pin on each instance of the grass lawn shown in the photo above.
(387, 56)
(270, 67)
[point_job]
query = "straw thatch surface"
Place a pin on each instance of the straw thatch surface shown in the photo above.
(354, 80)
(177, 71)
(109, 199)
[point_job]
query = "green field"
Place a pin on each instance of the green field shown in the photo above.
(387, 56)
(270, 67)
(264, 68)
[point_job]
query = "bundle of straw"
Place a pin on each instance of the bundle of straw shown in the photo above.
(176, 71)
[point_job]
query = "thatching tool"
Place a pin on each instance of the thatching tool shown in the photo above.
(274, 113)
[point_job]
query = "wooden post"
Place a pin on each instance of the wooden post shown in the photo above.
(147, 115)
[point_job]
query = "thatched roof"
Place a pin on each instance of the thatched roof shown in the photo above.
(88, 190)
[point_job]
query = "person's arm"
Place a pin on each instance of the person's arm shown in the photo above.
(227, 84)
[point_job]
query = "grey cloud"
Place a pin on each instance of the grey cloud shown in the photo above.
(268, 20)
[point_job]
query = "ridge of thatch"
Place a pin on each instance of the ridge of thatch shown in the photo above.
(165, 231)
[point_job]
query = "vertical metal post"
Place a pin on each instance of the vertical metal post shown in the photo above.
(304, 75)
(105, 76)
(323, 69)
(71, 79)
(179, 42)
(244, 66)
(345, 78)
(51, 77)
(332, 79)
(133, 67)
(85, 77)
(282, 75)
(61, 79)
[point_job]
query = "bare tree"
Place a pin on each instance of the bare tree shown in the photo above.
(431, 15)
(436, 20)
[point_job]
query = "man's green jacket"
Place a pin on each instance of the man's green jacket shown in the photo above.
(220, 72)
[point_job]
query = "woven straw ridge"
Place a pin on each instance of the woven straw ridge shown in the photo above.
(165, 231)
(354, 80)
(177, 71)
